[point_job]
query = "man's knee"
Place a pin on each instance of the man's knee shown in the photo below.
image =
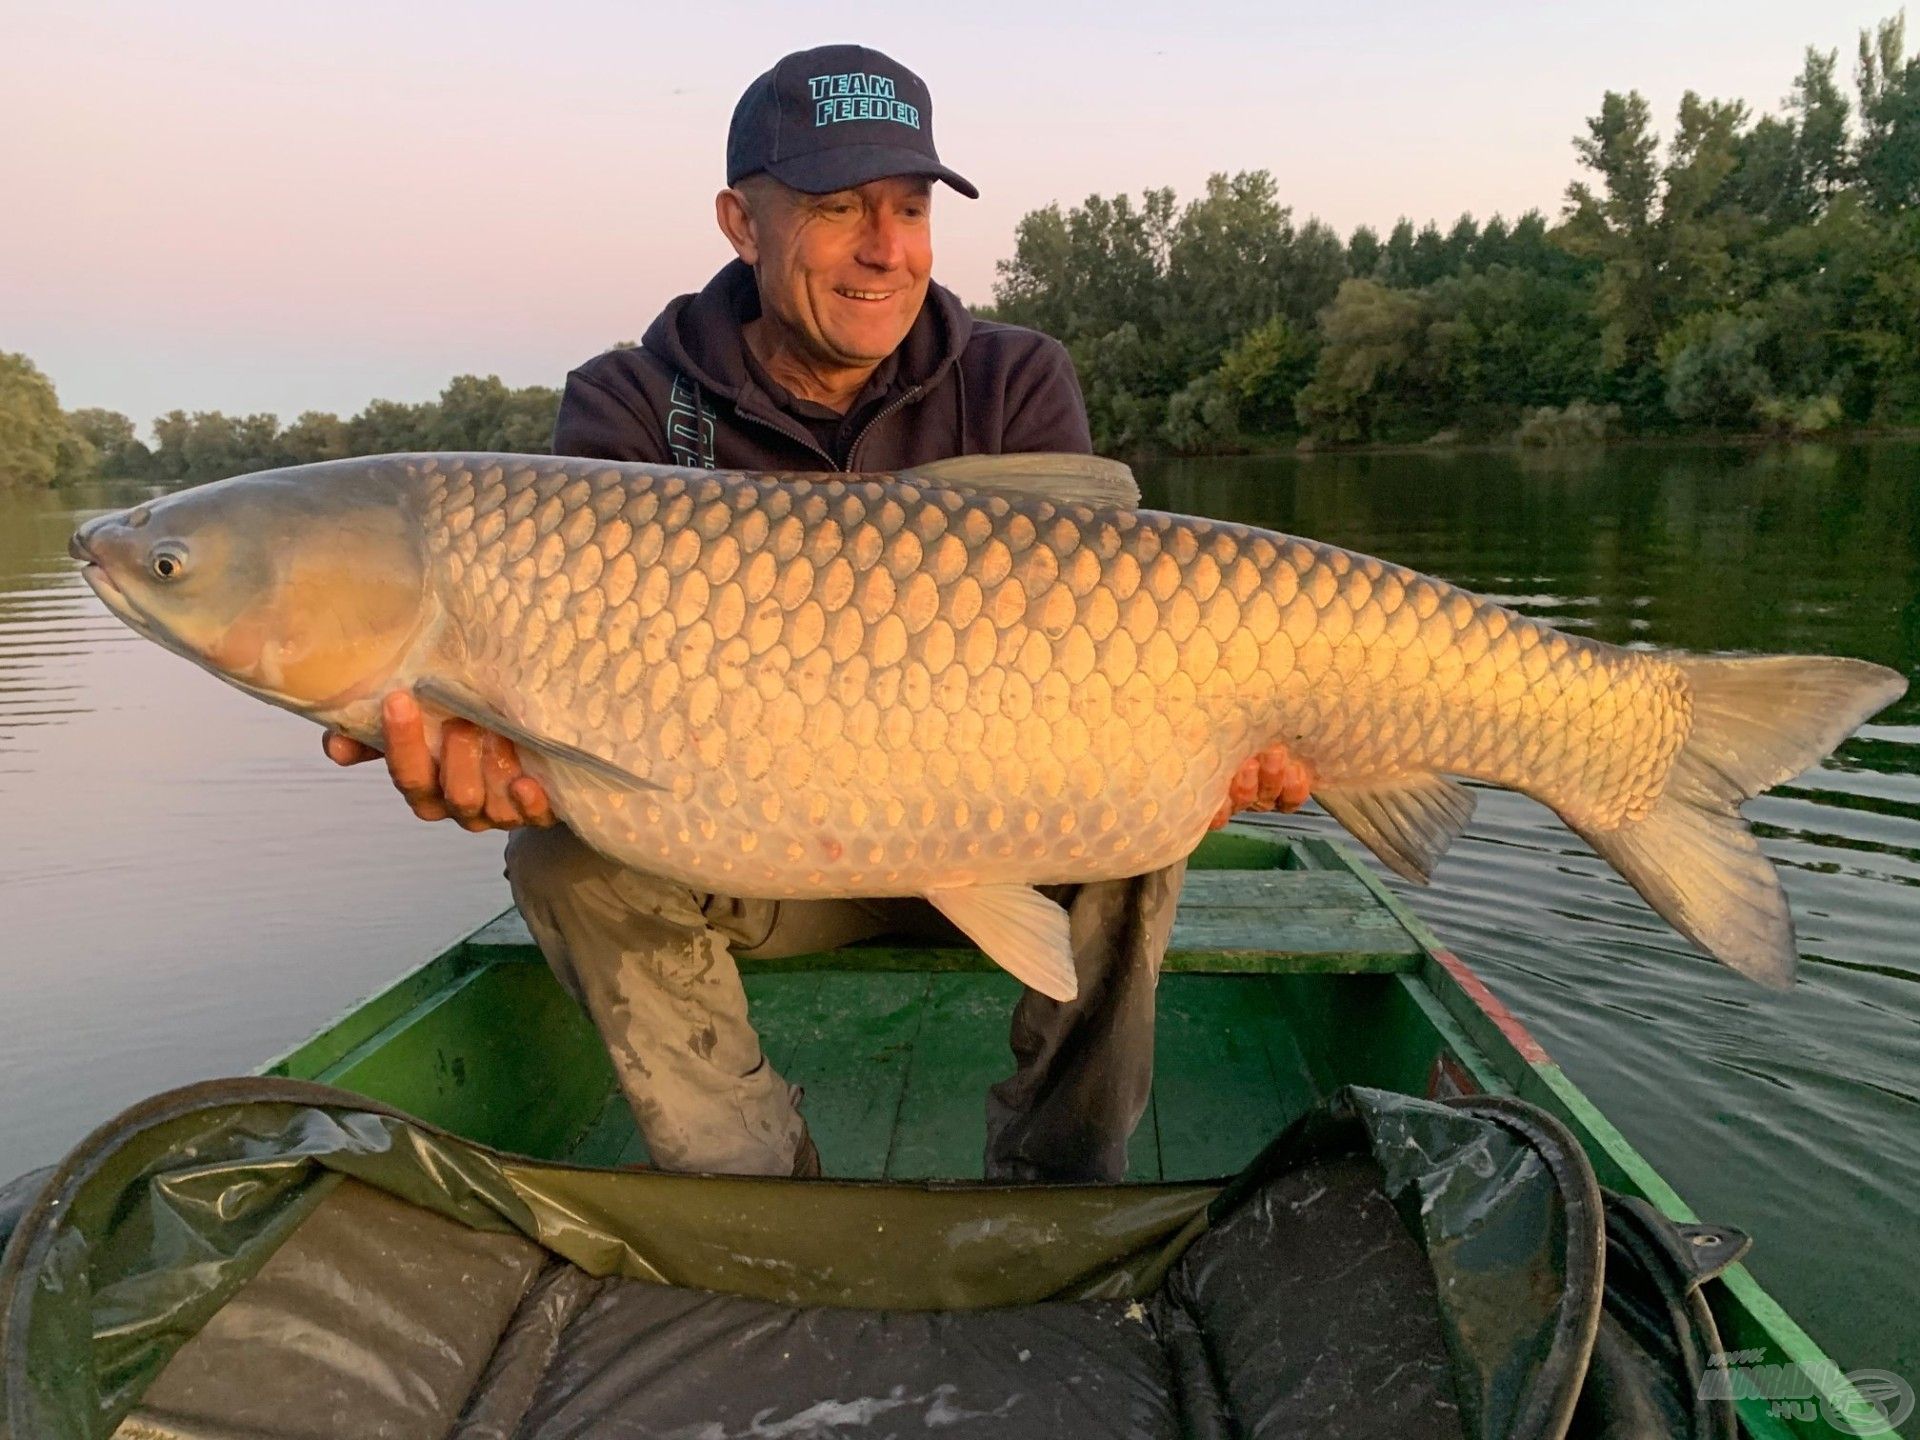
(539, 862)
(556, 874)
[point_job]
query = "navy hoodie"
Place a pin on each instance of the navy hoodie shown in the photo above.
(691, 395)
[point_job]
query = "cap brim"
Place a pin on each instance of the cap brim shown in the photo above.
(845, 166)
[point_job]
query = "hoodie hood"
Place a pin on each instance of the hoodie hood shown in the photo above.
(703, 337)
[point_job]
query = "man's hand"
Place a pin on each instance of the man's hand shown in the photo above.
(477, 779)
(1274, 779)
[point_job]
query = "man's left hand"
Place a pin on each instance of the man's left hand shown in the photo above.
(1275, 779)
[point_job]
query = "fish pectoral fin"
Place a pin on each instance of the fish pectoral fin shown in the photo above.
(456, 700)
(1080, 479)
(1408, 821)
(1019, 929)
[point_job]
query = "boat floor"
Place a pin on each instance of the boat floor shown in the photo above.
(896, 1069)
(897, 1049)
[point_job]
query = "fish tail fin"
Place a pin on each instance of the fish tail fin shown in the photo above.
(1756, 723)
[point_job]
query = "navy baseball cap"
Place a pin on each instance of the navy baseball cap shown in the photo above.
(835, 117)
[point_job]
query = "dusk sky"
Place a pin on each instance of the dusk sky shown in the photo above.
(298, 206)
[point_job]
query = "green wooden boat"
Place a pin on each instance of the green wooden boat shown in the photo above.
(1292, 973)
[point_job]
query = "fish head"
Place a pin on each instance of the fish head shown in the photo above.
(306, 587)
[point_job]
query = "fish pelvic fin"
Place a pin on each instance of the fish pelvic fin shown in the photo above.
(1756, 722)
(1408, 822)
(1019, 929)
(1074, 479)
(456, 700)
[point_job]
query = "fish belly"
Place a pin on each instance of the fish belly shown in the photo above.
(864, 687)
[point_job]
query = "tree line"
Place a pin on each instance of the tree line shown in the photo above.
(1750, 273)
(42, 444)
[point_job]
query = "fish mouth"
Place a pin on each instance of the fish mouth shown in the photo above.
(102, 583)
(100, 580)
(95, 574)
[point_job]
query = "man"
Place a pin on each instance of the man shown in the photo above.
(824, 346)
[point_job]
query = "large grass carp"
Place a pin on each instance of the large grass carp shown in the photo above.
(960, 681)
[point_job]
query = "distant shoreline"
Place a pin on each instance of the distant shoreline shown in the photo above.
(1277, 450)
(1731, 440)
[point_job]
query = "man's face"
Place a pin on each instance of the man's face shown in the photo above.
(843, 274)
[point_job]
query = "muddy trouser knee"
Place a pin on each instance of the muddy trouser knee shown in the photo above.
(652, 962)
(1084, 1069)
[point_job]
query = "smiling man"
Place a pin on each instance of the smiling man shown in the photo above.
(824, 346)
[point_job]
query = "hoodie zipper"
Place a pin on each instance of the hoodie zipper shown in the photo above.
(906, 397)
(900, 401)
(782, 431)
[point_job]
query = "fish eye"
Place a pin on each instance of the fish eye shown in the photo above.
(168, 563)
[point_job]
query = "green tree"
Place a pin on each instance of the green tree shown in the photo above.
(1397, 260)
(1769, 181)
(1713, 370)
(1263, 371)
(1701, 227)
(170, 433)
(1200, 417)
(1820, 125)
(1314, 264)
(1616, 225)
(1883, 324)
(1458, 248)
(1364, 253)
(37, 445)
(315, 436)
(1120, 379)
(1508, 339)
(214, 446)
(115, 441)
(387, 427)
(1225, 264)
(1889, 149)
(1429, 260)
(1533, 246)
(1090, 270)
(1371, 351)
(1491, 248)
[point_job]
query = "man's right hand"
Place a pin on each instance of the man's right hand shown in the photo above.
(476, 780)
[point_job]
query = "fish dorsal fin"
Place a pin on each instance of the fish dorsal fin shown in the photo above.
(1408, 821)
(1019, 929)
(457, 700)
(1075, 479)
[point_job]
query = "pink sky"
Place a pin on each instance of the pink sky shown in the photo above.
(293, 206)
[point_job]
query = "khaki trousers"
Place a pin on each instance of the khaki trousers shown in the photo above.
(652, 961)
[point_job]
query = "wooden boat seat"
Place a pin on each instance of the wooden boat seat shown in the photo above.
(1295, 921)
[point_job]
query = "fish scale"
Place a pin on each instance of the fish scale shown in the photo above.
(962, 681)
(867, 686)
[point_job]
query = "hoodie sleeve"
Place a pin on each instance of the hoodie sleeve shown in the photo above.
(595, 423)
(1044, 408)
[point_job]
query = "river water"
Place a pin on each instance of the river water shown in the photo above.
(188, 887)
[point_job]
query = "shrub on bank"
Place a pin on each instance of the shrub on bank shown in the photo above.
(1806, 415)
(1551, 427)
